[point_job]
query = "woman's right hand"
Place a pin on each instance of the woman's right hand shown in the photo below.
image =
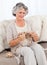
(21, 36)
(16, 41)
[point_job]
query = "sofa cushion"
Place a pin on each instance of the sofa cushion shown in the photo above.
(7, 61)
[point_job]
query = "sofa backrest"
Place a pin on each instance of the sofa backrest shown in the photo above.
(38, 25)
(44, 30)
(3, 26)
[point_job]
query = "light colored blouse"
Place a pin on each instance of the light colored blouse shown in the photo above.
(12, 30)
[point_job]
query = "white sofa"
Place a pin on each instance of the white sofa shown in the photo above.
(39, 25)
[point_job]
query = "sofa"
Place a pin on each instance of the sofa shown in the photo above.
(39, 25)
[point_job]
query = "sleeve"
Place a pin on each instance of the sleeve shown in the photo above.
(35, 23)
(9, 34)
(36, 27)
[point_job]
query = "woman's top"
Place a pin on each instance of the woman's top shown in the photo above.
(13, 30)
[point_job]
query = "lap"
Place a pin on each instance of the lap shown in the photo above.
(37, 48)
(24, 50)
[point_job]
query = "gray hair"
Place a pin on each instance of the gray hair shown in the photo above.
(18, 6)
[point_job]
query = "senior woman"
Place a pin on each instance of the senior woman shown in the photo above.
(19, 25)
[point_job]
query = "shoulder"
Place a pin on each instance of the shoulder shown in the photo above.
(28, 22)
(11, 24)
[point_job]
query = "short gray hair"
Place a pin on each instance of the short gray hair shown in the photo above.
(18, 6)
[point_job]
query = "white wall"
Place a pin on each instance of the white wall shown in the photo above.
(42, 7)
(36, 7)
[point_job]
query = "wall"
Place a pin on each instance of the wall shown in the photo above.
(36, 7)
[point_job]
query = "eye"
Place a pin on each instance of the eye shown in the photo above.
(20, 12)
(23, 12)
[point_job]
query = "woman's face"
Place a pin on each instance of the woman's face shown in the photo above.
(20, 13)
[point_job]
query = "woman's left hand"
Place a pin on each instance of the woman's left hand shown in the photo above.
(34, 36)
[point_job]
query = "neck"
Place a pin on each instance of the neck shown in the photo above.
(20, 22)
